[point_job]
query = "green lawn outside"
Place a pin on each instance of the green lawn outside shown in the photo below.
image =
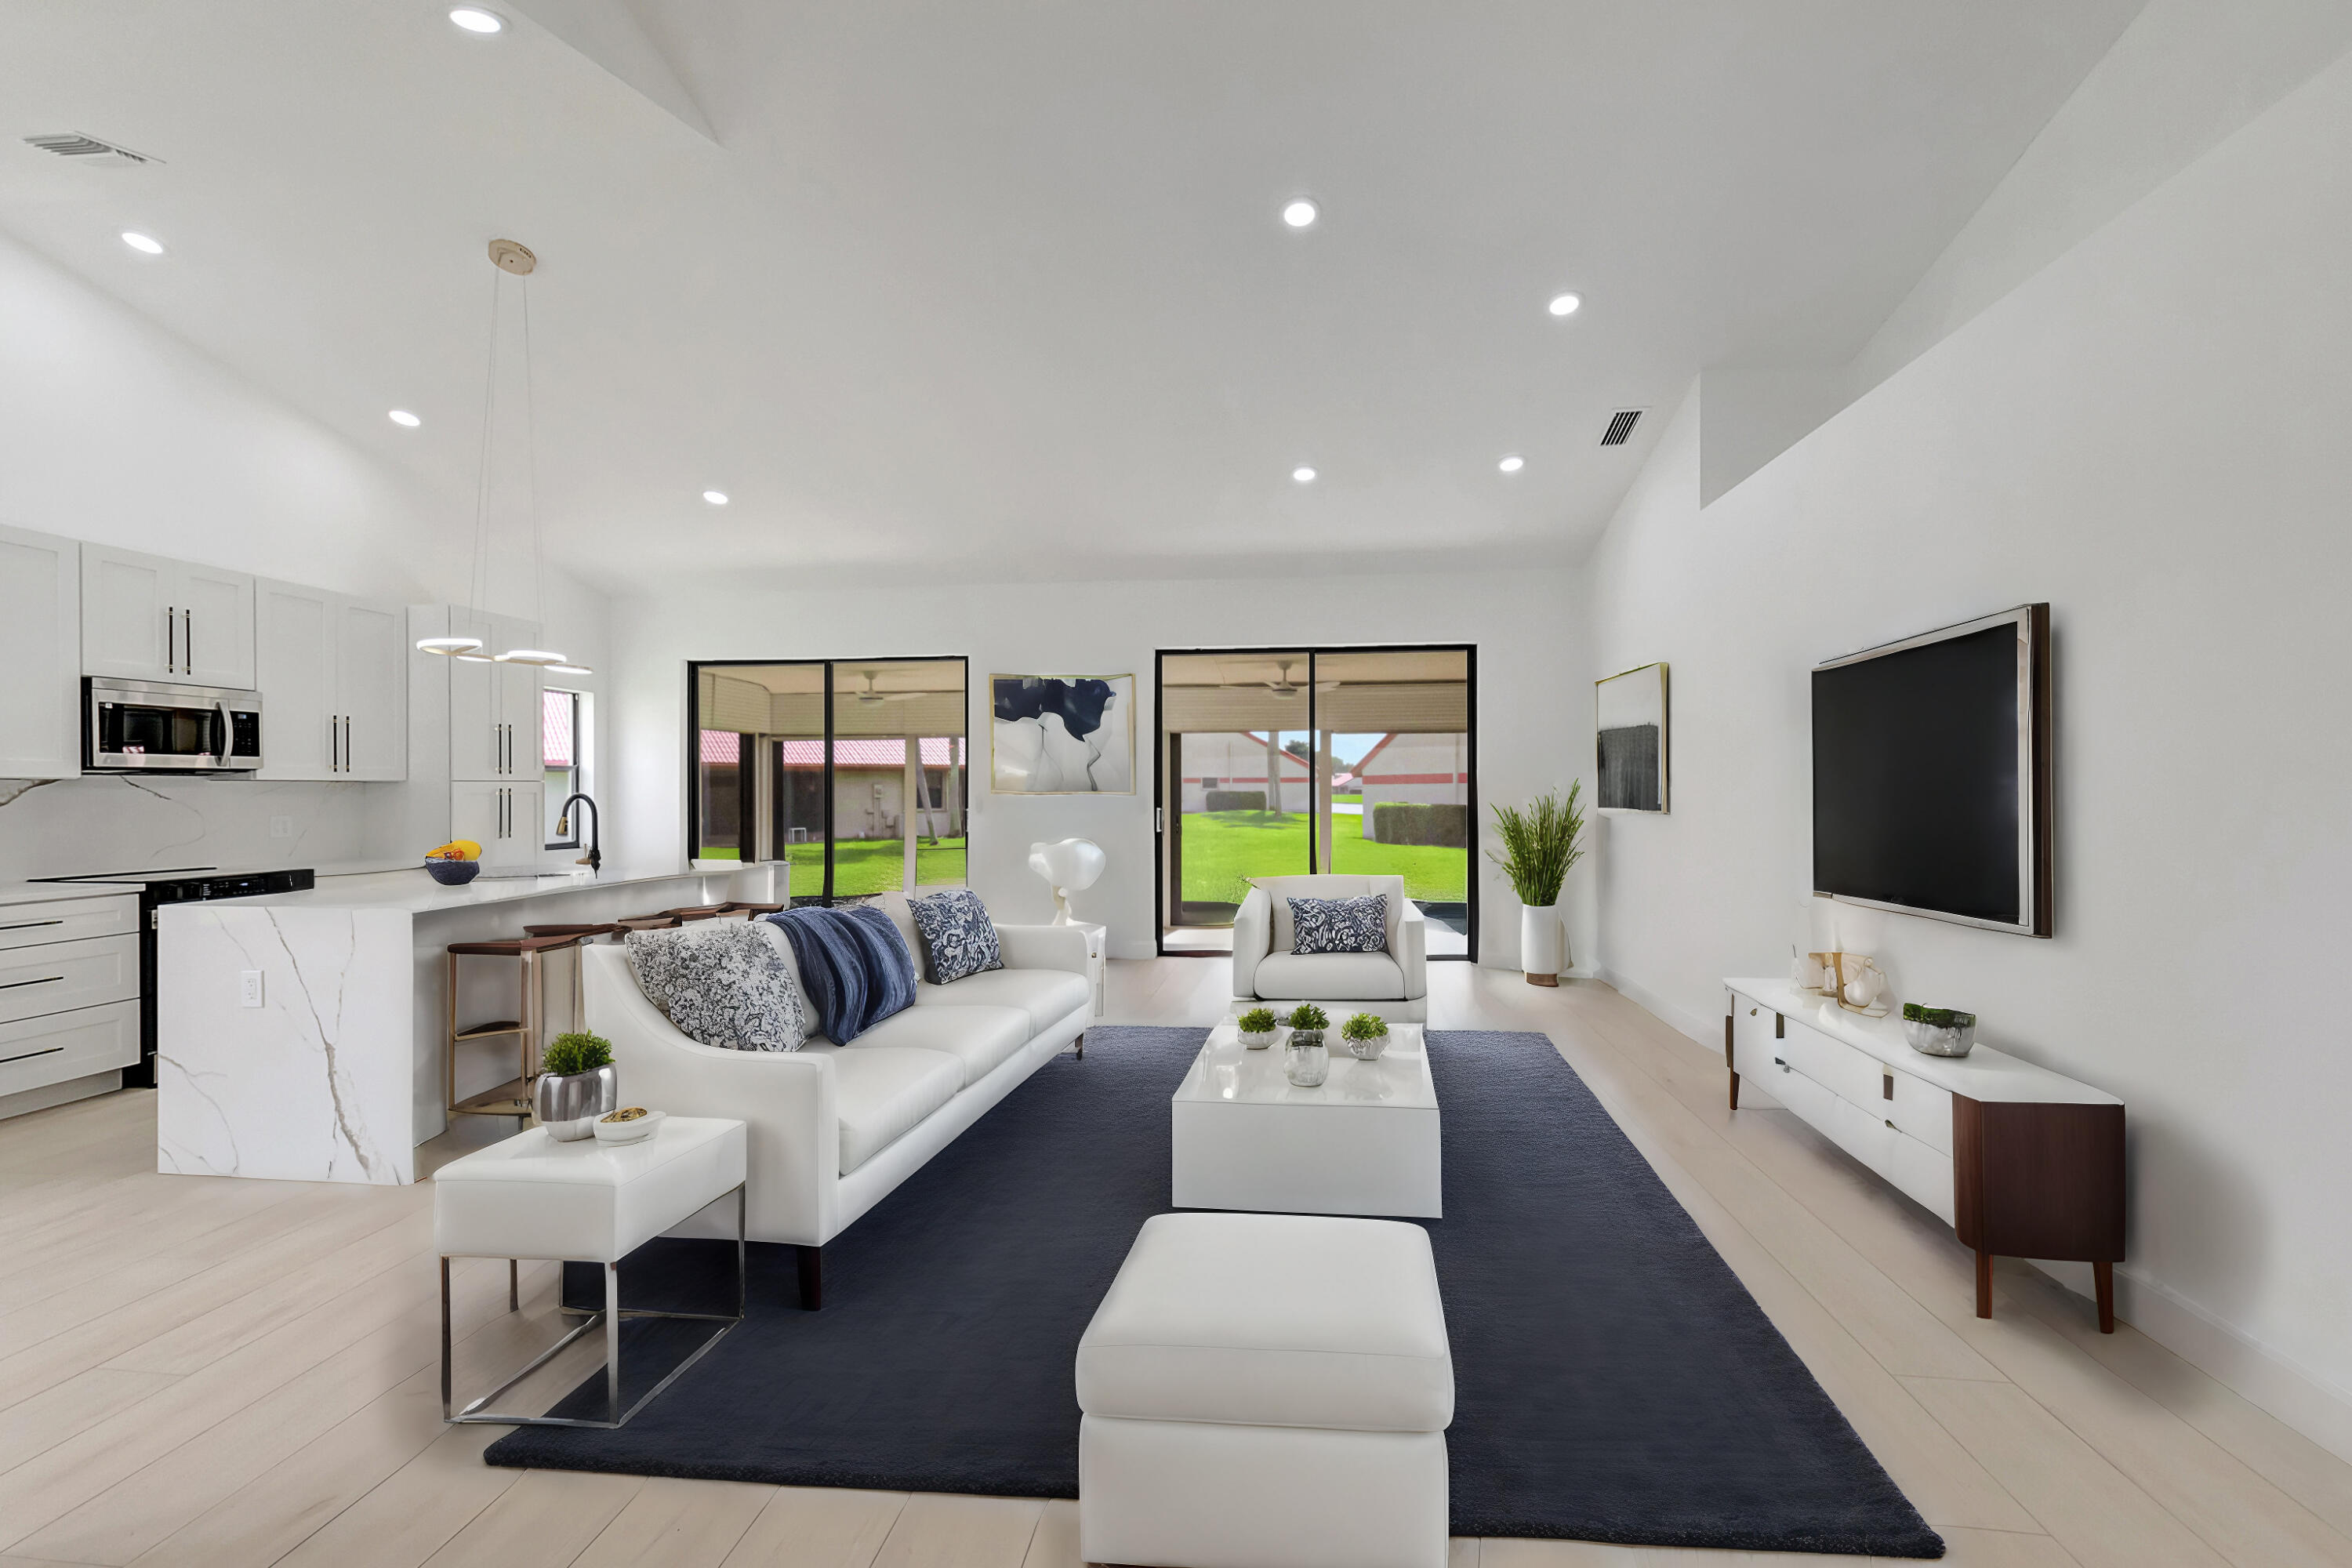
(863, 866)
(1222, 849)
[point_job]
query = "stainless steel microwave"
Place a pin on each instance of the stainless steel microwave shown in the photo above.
(139, 726)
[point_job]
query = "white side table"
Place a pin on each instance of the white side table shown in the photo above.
(1097, 950)
(582, 1201)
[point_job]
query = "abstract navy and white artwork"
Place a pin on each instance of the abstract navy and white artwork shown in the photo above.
(1632, 725)
(1063, 734)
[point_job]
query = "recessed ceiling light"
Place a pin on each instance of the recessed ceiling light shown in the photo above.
(1512, 464)
(404, 419)
(1565, 304)
(474, 19)
(1300, 213)
(1303, 475)
(141, 243)
(716, 497)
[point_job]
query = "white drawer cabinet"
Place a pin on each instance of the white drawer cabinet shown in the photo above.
(38, 1052)
(67, 920)
(60, 977)
(2018, 1160)
(504, 819)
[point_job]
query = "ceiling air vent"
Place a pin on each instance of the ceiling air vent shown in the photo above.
(94, 152)
(1620, 426)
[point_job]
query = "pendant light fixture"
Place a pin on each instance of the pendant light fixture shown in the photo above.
(510, 256)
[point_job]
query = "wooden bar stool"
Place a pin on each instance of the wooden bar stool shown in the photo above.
(648, 922)
(512, 1097)
(697, 912)
(754, 910)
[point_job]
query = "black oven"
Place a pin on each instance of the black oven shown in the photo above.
(139, 726)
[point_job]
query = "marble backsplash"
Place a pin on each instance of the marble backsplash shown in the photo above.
(120, 822)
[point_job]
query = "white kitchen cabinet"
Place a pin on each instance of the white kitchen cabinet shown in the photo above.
(294, 660)
(503, 819)
(40, 649)
(146, 617)
(372, 681)
(334, 689)
(493, 707)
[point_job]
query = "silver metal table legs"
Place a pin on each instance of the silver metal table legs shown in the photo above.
(610, 1318)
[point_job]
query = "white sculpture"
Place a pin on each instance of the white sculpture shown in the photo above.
(1070, 866)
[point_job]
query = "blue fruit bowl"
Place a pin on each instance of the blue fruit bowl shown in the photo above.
(453, 873)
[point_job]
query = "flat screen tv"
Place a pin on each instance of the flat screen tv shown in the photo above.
(1931, 774)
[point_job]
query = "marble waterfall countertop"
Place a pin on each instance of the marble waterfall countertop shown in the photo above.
(305, 1037)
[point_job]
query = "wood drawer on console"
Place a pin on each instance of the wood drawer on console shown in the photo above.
(1853, 1075)
(66, 919)
(66, 975)
(1924, 1111)
(38, 1052)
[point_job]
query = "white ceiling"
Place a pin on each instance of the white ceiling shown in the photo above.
(1000, 289)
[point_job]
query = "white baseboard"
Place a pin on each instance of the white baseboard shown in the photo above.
(2294, 1393)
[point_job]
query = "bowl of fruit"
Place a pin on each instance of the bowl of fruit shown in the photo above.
(454, 863)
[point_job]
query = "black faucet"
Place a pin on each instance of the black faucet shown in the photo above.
(594, 858)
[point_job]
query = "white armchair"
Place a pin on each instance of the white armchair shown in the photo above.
(1394, 984)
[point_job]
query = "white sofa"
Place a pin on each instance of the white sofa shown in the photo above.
(1394, 984)
(834, 1128)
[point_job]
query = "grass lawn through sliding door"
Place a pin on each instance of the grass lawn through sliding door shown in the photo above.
(863, 866)
(1224, 849)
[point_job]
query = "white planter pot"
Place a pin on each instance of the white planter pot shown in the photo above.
(1543, 944)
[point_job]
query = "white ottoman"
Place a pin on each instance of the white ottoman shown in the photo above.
(583, 1201)
(1266, 1391)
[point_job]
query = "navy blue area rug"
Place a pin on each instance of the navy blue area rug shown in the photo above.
(1614, 1380)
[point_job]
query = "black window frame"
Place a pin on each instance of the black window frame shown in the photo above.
(1159, 805)
(694, 669)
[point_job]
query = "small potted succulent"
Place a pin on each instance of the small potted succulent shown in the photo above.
(1939, 1031)
(1256, 1027)
(1367, 1034)
(1304, 1061)
(577, 1084)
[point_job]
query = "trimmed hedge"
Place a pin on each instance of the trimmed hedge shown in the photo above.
(1410, 822)
(1236, 800)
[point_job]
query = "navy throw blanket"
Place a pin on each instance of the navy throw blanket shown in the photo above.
(854, 967)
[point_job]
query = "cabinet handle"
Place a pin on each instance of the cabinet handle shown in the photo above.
(347, 742)
(172, 640)
(29, 925)
(44, 980)
(187, 642)
(28, 1055)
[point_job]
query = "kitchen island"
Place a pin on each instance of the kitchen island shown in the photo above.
(301, 1035)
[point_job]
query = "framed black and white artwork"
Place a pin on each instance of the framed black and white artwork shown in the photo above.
(1062, 735)
(1630, 725)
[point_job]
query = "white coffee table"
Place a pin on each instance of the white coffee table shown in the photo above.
(1364, 1141)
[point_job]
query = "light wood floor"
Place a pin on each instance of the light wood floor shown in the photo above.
(213, 1371)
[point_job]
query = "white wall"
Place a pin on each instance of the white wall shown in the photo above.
(116, 431)
(2151, 434)
(1534, 706)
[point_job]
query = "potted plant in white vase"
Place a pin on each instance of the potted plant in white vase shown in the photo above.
(1540, 845)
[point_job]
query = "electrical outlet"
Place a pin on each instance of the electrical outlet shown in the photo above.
(249, 988)
(281, 827)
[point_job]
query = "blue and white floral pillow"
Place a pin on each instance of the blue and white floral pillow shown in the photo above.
(959, 939)
(1339, 925)
(723, 983)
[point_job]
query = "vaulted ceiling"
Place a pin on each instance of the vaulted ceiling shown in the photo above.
(1001, 288)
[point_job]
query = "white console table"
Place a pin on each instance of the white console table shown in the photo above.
(2020, 1161)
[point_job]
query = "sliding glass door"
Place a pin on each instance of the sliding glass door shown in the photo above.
(856, 773)
(1276, 761)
